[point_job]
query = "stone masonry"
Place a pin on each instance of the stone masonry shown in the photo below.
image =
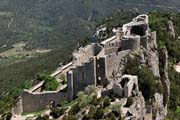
(95, 64)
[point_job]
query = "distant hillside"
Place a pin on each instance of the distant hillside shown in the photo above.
(54, 23)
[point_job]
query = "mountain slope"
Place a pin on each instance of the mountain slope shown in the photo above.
(46, 23)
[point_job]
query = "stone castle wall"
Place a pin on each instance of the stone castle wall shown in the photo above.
(32, 102)
(127, 89)
(112, 47)
(101, 71)
(85, 53)
(18, 107)
(80, 77)
(113, 61)
(144, 42)
(130, 42)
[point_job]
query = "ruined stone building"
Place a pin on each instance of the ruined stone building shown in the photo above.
(124, 86)
(95, 64)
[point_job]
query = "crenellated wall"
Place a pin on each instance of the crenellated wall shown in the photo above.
(84, 54)
(112, 47)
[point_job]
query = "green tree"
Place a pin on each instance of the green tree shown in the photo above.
(50, 84)
(147, 81)
(106, 102)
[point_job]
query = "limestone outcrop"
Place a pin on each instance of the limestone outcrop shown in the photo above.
(165, 79)
(170, 29)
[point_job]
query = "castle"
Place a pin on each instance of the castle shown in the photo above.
(94, 64)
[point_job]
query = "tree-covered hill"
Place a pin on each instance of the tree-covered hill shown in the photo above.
(52, 24)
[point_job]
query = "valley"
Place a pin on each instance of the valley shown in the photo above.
(17, 53)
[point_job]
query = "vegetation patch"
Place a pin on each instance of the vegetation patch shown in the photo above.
(148, 83)
(158, 22)
(50, 83)
(18, 53)
(88, 106)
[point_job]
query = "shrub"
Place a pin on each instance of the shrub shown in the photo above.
(106, 102)
(111, 116)
(57, 112)
(46, 117)
(63, 78)
(129, 102)
(50, 84)
(147, 81)
(99, 114)
(74, 109)
(9, 115)
(70, 117)
(87, 117)
(92, 110)
(116, 110)
(94, 101)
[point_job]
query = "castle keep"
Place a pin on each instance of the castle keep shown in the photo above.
(95, 64)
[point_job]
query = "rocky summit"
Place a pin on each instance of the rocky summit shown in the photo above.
(103, 66)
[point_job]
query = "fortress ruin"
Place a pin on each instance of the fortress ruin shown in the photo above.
(94, 64)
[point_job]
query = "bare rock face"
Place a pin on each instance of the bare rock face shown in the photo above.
(159, 109)
(164, 77)
(170, 28)
(139, 105)
(153, 62)
(161, 100)
(178, 37)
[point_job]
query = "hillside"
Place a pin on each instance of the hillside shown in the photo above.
(51, 24)
(57, 25)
